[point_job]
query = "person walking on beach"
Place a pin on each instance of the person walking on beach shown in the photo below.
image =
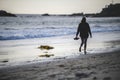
(84, 31)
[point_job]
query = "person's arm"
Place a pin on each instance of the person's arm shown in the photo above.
(78, 30)
(89, 31)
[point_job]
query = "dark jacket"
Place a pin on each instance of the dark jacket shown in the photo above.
(84, 30)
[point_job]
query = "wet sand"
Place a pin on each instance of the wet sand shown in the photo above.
(105, 66)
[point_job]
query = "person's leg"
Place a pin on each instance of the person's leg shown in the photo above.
(85, 45)
(82, 41)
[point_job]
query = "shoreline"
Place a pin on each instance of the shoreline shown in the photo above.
(20, 52)
(88, 67)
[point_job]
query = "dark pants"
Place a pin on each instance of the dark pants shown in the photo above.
(83, 41)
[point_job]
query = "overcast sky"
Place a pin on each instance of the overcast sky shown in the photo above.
(54, 6)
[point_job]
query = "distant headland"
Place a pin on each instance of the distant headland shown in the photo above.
(112, 10)
(6, 14)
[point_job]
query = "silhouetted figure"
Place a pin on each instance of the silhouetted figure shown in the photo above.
(84, 31)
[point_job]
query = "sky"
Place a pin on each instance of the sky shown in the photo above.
(54, 6)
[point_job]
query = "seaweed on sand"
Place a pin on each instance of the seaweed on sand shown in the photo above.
(46, 55)
(46, 47)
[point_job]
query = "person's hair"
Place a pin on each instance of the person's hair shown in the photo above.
(83, 20)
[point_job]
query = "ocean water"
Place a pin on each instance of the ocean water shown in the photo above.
(28, 27)
(21, 36)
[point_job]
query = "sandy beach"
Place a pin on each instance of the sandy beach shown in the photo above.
(105, 66)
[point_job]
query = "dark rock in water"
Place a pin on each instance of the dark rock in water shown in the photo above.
(45, 47)
(61, 65)
(82, 75)
(46, 55)
(45, 14)
(6, 14)
(5, 61)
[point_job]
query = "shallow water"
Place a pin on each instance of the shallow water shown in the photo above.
(24, 27)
